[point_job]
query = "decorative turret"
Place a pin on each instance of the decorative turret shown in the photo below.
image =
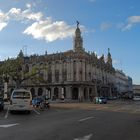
(78, 40)
(109, 59)
(21, 55)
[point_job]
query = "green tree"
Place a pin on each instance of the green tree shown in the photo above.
(14, 68)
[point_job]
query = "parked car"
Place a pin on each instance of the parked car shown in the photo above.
(1, 103)
(37, 101)
(136, 97)
(100, 100)
(21, 100)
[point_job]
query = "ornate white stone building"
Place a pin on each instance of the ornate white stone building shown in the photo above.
(76, 74)
(124, 84)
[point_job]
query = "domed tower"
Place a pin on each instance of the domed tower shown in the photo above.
(78, 40)
(109, 58)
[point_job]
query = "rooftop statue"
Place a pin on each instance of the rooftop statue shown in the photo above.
(77, 23)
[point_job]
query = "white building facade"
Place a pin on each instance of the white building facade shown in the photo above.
(74, 74)
(124, 84)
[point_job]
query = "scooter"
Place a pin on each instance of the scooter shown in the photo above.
(44, 105)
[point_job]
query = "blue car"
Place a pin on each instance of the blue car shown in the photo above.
(37, 101)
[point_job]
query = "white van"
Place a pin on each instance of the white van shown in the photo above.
(21, 100)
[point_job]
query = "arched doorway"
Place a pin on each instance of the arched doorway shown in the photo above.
(56, 92)
(65, 92)
(75, 92)
(91, 96)
(33, 92)
(40, 92)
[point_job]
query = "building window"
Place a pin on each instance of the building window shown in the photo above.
(57, 75)
(80, 75)
(64, 75)
(49, 76)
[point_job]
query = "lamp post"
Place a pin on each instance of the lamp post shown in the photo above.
(6, 80)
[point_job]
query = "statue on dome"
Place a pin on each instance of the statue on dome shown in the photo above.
(77, 23)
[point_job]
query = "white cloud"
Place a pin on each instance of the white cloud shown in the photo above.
(41, 28)
(2, 25)
(28, 5)
(3, 17)
(49, 30)
(18, 15)
(3, 20)
(116, 62)
(105, 26)
(131, 21)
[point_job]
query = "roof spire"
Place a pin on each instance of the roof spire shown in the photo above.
(108, 50)
(77, 23)
(109, 59)
(78, 40)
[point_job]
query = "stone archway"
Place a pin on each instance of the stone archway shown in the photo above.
(65, 92)
(40, 92)
(91, 96)
(56, 92)
(75, 92)
(33, 92)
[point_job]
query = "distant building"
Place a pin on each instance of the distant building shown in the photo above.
(124, 84)
(136, 89)
(74, 74)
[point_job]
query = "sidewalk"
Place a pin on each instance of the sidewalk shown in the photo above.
(113, 105)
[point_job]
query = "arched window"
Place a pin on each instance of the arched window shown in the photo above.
(57, 75)
(40, 92)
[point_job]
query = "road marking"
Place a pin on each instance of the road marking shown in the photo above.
(87, 137)
(36, 112)
(7, 112)
(8, 125)
(84, 119)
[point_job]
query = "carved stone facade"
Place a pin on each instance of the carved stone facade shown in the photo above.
(74, 74)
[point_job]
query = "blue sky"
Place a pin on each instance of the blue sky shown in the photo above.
(37, 26)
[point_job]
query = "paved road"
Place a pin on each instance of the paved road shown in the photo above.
(128, 106)
(70, 124)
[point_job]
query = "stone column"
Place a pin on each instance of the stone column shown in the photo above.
(52, 92)
(60, 71)
(53, 72)
(95, 89)
(77, 71)
(71, 68)
(68, 71)
(83, 70)
(59, 92)
(36, 91)
(81, 94)
(68, 92)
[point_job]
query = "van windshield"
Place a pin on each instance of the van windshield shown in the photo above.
(21, 95)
